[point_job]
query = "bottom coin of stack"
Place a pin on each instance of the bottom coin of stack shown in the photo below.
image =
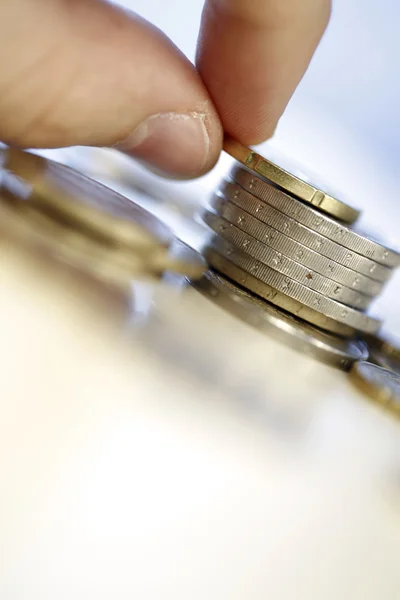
(325, 347)
(279, 239)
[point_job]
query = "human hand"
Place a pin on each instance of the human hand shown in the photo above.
(85, 72)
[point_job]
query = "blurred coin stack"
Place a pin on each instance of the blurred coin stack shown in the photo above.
(290, 243)
(49, 207)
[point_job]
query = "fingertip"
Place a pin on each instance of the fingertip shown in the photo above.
(182, 145)
(252, 55)
(97, 74)
(249, 133)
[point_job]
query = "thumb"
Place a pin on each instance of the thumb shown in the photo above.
(84, 72)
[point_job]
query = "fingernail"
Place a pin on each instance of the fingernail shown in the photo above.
(172, 143)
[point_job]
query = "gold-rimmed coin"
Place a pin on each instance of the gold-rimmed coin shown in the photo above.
(351, 238)
(283, 327)
(267, 292)
(378, 384)
(285, 180)
(336, 310)
(296, 299)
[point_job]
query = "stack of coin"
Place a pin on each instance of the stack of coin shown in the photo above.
(295, 246)
(83, 223)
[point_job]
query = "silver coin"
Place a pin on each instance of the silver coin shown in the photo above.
(268, 214)
(282, 327)
(297, 251)
(343, 314)
(266, 292)
(281, 263)
(321, 223)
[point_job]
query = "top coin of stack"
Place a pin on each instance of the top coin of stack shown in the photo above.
(296, 246)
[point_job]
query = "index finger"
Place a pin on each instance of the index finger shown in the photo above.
(252, 54)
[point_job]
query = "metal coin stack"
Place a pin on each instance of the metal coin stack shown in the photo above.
(288, 242)
(84, 224)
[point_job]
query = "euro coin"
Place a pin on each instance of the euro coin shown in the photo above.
(281, 263)
(284, 328)
(296, 186)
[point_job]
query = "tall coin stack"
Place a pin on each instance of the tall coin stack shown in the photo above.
(288, 242)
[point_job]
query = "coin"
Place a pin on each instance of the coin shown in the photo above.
(378, 384)
(385, 351)
(182, 261)
(99, 256)
(37, 232)
(322, 224)
(343, 314)
(300, 188)
(69, 195)
(281, 263)
(296, 308)
(283, 327)
(268, 214)
(295, 250)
